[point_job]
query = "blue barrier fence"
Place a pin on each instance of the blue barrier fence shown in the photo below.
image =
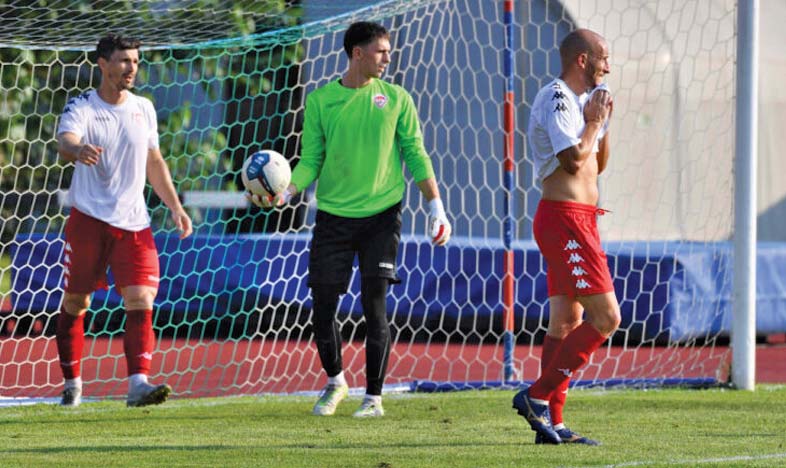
(679, 290)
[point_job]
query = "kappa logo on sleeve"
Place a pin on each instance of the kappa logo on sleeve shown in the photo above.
(380, 100)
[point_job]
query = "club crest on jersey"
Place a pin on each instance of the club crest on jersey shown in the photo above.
(380, 100)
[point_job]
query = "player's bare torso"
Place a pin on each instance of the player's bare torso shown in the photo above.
(581, 187)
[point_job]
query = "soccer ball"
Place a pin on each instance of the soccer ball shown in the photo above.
(266, 173)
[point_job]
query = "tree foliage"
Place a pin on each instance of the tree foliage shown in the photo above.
(191, 80)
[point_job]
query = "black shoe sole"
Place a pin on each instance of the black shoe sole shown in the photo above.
(156, 397)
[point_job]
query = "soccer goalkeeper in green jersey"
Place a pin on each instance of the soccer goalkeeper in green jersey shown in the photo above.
(356, 131)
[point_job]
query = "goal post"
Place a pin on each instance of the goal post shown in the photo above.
(232, 314)
(744, 313)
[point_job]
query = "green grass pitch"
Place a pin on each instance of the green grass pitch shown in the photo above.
(671, 427)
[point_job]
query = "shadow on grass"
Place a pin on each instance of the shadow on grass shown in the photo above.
(70, 449)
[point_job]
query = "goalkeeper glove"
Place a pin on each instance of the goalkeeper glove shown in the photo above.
(438, 226)
(267, 202)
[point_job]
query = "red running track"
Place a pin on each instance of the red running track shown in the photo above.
(28, 366)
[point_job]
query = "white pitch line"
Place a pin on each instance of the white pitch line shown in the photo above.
(769, 456)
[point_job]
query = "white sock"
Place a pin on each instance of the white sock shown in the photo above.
(376, 399)
(337, 379)
(559, 426)
(135, 380)
(76, 382)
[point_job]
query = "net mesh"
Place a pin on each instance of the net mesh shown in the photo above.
(229, 78)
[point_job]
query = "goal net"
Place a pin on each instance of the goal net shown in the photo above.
(229, 78)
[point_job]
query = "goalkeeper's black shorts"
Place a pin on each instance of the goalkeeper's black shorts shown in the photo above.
(337, 239)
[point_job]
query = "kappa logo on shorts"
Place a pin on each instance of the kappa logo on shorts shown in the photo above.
(153, 278)
(575, 258)
(582, 284)
(380, 100)
(387, 266)
(578, 271)
(572, 245)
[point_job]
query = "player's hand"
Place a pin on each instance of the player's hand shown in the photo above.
(89, 155)
(267, 202)
(438, 226)
(603, 87)
(264, 202)
(598, 107)
(182, 222)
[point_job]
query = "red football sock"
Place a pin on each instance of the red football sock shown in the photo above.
(557, 402)
(70, 337)
(575, 352)
(139, 341)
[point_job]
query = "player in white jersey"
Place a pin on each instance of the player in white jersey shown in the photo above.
(111, 136)
(570, 148)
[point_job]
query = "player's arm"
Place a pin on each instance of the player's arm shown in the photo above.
(604, 146)
(603, 152)
(410, 141)
(71, 149)
(161, 180)
(595, 114)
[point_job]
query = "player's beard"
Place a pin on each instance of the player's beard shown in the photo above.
(125, 85)
(590, 75)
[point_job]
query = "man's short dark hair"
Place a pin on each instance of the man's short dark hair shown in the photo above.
(108, 44)
(361, 34)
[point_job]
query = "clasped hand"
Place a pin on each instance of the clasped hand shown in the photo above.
(599, 106)
(267, 202)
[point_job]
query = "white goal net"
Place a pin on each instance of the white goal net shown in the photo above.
(232, 315)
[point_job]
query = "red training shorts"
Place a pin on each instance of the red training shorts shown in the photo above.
(92, 245)
(567, 235)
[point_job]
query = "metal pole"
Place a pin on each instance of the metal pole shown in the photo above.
(743, 329)
(508, 286)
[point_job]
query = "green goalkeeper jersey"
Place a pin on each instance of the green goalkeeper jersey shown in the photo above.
(353, 141)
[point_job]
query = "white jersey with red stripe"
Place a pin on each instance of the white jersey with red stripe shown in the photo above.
(556, 123)
(113, 189)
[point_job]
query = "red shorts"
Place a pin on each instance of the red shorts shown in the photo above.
(567, 235)
(93, 245)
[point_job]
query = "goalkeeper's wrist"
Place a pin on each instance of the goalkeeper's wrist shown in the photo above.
(436, 207)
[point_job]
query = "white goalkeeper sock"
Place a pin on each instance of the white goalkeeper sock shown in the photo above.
(376, 399)
(338, 379)
(73, 383)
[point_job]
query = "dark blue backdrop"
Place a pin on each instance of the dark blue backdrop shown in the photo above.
(680, 289)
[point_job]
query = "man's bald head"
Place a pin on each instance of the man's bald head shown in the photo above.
(580, 41)
(585, 59)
